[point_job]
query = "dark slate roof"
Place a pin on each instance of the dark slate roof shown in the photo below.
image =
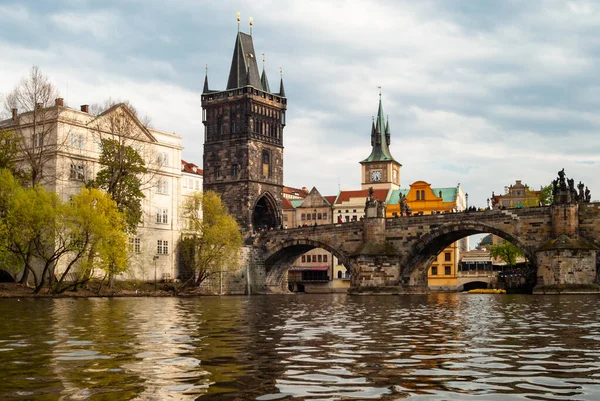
(380, 139)
(281, 89)
(244, 69)
(205, 90)
(264, 81)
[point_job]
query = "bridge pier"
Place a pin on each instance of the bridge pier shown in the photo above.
(567, 262)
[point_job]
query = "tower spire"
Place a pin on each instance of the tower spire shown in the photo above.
(380, 136)
(281, 88)
(205, 90)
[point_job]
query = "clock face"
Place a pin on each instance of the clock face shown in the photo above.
(376, 175)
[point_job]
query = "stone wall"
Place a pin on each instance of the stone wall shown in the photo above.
(247, 278)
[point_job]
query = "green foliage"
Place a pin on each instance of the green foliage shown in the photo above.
(506, 252)
(546, 195)
(98, 231)
(73, 237)
(214, 239)
(121, 178)
(9, 149)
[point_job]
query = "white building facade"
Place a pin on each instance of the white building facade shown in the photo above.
(71, 142)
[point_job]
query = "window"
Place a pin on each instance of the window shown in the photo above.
(185, 182)
(324, 258)
(218, 172)
(77, 172)
(163, 159)
(314, 258)
(434, 270)
(320, 258)
(314, 216)
(303, 258)
(135, 244)
(324, 216)
(447, 270)
(266, 163)
(37, 140)
(162, 247)
(162, 186)
(162, 216)
(447, 256)
(232, 123)
(197, 185)
(308, 216)
(77, 140)
(319, 216)
(234, 170)
(339, 274)
(285, 217)
(303, 217)
(422, 194)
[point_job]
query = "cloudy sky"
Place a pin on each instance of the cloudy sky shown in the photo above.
(480, 93)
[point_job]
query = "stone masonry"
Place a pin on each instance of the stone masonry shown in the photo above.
(399, 260)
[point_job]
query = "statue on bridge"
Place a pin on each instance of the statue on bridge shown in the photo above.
(564, 191)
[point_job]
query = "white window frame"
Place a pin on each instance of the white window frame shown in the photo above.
(162, 247)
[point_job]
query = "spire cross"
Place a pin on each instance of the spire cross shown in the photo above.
(263, 55)
(206, 68)
(280, 72)
(379, 87)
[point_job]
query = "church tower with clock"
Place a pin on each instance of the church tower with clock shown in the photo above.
(380, 170)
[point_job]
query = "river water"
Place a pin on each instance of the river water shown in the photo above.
(304, 347)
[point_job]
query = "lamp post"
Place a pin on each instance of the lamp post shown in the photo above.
(155, 258)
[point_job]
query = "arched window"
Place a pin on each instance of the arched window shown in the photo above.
(339, 274)
(266, 163)
(418, 195)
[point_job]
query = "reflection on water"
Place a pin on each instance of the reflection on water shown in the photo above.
(436, 347)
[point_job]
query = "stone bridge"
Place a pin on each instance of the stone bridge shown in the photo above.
(394, 255)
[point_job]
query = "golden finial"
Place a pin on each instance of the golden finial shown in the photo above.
(280, 72)
(264, 59)
(251, 26)
(238, 17)
(206, 68)
(379, 87)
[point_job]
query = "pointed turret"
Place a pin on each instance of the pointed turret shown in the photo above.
(244, 68)
(380, 138)
(281, 89)
(387, 132)
(264, 81)
(205, 90)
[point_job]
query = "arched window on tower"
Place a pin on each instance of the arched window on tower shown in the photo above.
(418, 195)
(266, 163)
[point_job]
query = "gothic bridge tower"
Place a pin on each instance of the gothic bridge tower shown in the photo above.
(243, 140)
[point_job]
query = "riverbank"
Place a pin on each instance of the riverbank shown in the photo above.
(120, 289)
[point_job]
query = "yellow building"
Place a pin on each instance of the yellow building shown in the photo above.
(422, 199)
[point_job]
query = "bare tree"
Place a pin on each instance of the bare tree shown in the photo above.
(129, 161)
(35, 126)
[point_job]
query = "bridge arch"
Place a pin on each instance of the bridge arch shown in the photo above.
(281, 257)
(415, 264)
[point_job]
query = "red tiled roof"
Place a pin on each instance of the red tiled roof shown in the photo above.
(190, 167)
(286, 204)
(330, 198)
(344, 196)
(295, 191)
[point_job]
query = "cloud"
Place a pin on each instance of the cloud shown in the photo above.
(481, 93)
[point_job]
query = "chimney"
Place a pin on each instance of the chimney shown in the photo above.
(14, 114)
(39, 106)
(59, 101)
(85, 108)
